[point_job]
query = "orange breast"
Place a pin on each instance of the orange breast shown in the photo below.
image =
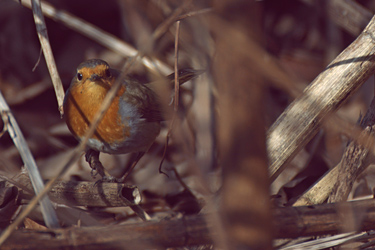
(82, 102)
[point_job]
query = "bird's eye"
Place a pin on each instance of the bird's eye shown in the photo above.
(108, 73)
(79, 76)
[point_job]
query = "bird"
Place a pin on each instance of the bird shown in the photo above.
(132, 121)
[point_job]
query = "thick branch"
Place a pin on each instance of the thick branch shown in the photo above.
(73, 193)
(168, 233)
(302, 119)
(352, 164)
(339, 180)
(289, 222)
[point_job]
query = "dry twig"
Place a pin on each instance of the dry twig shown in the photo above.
(99, 36)
(14, 131)
(73, 193)
(354, 161)
(289, 222)
(47, 51)
(302, 119)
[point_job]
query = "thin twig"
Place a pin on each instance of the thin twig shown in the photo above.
(38, 61)
(104, 38)
(166, 145)
(194, 13)
(176, 81)
(47, 51)
(162, 28)
(176, 96)
(179, 179)
(15, 133)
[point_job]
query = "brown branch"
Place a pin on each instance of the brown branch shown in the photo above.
(350, 167)
(74, 193)
(353, 162)
(289, 222)
(338, 11)
(319, 192)
(302, 119)
(338, 181)
(93, 194)
(293, 222)
(160, 235)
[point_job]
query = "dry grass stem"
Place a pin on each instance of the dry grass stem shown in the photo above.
(99, 36)
(47, 51)
(300, 122)
(27, 158)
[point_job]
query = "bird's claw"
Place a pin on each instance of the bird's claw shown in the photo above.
(108, 179)
(94, 173)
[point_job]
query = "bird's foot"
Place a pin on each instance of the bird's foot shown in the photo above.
(92, 157)
(107, 179)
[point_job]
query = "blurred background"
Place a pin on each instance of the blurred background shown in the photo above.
(300, 35)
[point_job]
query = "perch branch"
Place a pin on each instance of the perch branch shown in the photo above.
(289, 222)
(73, 193)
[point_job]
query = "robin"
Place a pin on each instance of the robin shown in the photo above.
(132, 121)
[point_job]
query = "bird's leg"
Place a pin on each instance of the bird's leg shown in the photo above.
(123, 178)
(92, 157)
